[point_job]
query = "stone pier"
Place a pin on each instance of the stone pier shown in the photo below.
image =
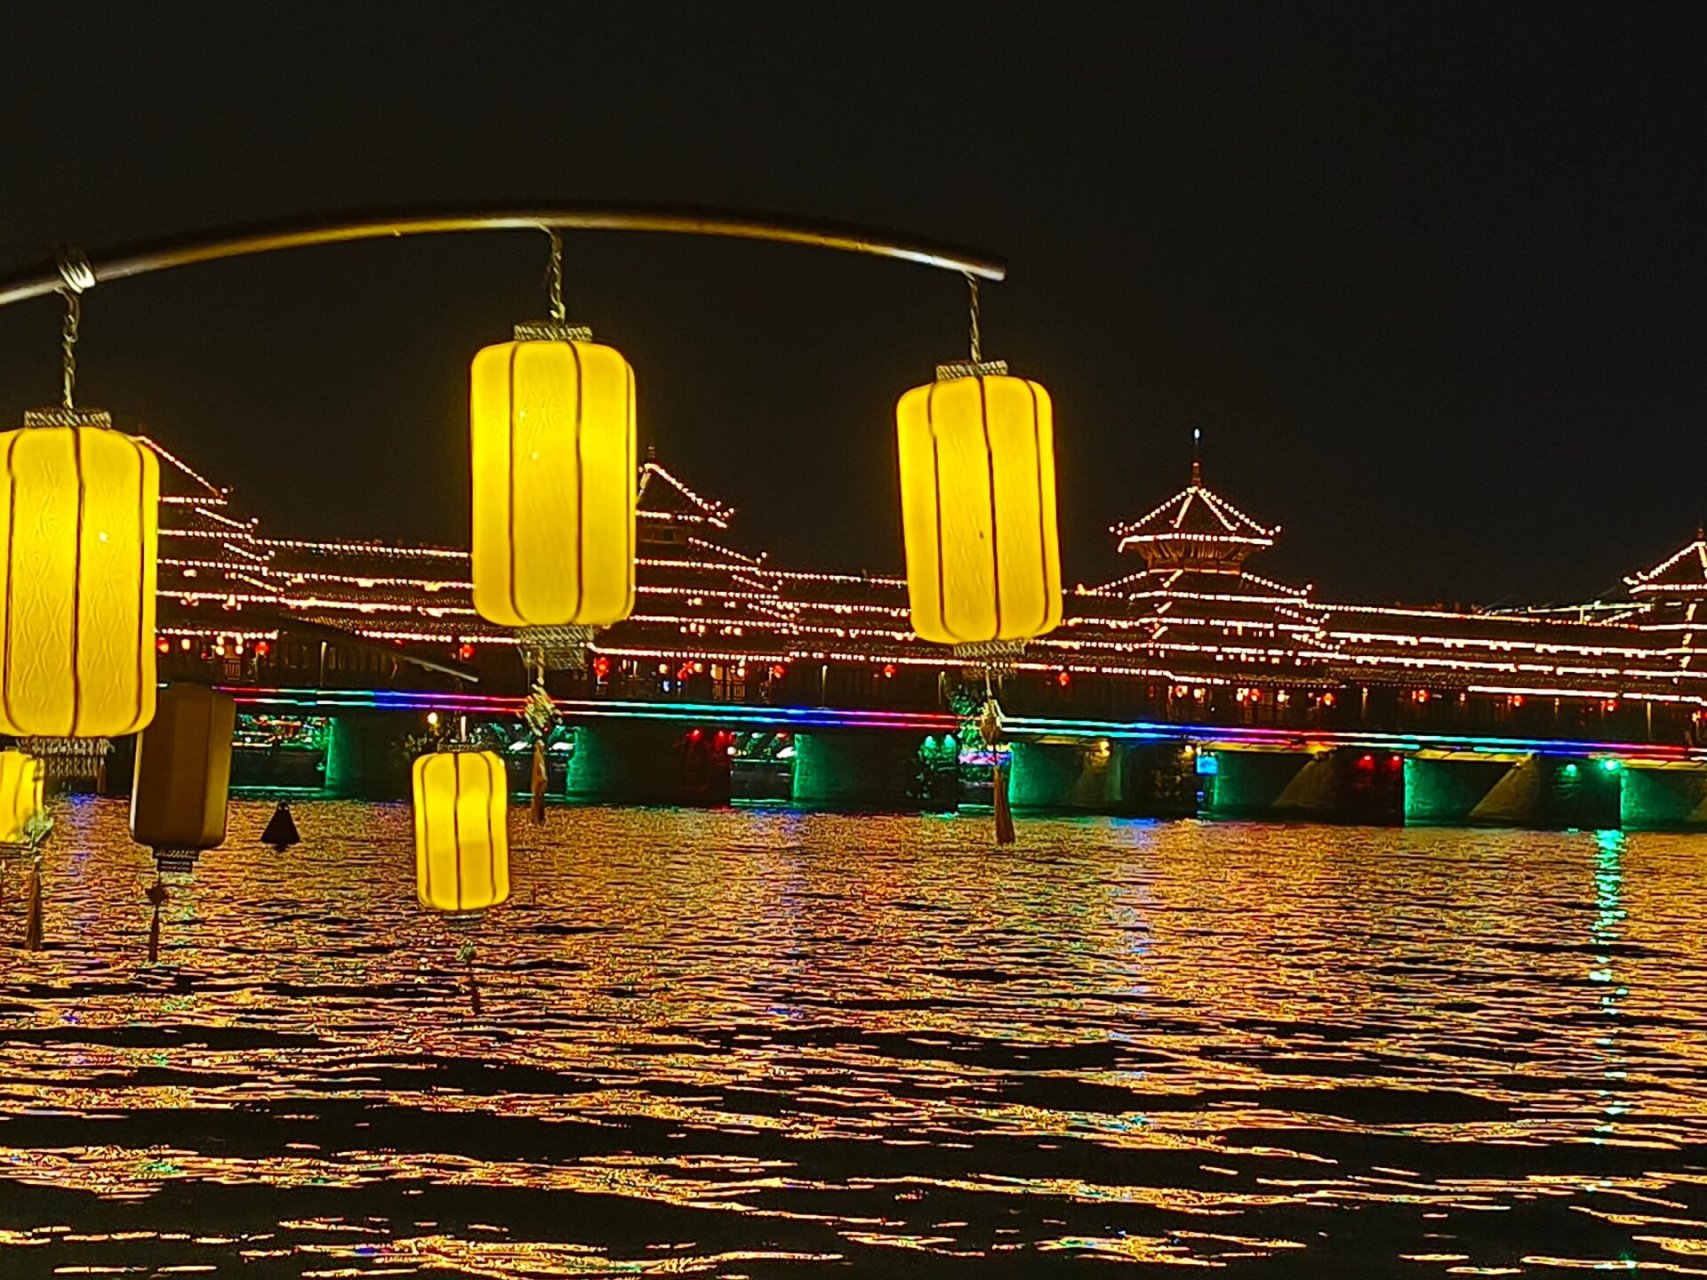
(364, 758)
(650, 763)
(1345, 784)
(871, 770)
(1513, 790)
(1135, 779)
(1664, 796)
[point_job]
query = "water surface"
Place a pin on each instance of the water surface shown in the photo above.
(763, 1044)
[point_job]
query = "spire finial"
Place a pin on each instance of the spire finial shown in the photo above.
(1196, 458)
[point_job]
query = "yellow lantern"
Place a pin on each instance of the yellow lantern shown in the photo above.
(977, 451)
(20, 794)
(183, 775)
(553, 434)
(77, 551)
(462, 846)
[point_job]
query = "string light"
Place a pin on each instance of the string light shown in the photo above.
(1195, 621)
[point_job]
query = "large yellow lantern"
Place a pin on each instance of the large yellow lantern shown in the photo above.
(77, 550)
(183, 775)
(20, 794)
(977, 453)
(553, 433)
(462, 846)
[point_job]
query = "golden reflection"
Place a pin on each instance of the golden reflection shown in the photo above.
(746, 1041)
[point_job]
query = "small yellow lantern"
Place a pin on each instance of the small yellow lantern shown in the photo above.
(462, 846)
(20, 795)
(553, 432)
(977, 451)
(183, 775)
(78, 539)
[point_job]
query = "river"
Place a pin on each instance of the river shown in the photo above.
(766, 1044)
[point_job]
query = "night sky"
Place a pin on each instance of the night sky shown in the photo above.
(1432, 278)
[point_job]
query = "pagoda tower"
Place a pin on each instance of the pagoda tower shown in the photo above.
(1195, 531)
(1195, 614)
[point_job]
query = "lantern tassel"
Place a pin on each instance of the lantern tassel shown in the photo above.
(466, 955)
(538, 807)
(156, 895)
(990, 729)
(1004, 815)
(32, 917)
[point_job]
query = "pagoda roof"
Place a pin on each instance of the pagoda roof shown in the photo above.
(664, 497)
(1195, 513)
(1165, 582)
(181, 483)
(1684, 573)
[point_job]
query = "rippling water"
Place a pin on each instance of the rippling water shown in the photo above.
(767, 1044)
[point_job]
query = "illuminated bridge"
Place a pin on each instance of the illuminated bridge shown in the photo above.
(1190, 683)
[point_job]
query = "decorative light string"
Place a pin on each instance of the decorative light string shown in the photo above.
(765, 614)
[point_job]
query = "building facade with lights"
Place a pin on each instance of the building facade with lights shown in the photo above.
(1192, 633)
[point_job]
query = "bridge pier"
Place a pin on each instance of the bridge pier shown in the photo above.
(1136, 779)
(364, 759)
(649, 763)
(1664, 796)
(1344, 784)
(878, 770)
(1512, 790)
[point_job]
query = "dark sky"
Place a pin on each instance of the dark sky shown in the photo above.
(1433, 278)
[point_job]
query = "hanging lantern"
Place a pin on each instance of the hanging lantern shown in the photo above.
(977, 457)
(183, 775)
(21, 777)
(553, 433)
(77, 551)
(462, 847)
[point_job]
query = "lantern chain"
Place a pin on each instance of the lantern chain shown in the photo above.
(75, 276)
(977, 338)
(554, 278)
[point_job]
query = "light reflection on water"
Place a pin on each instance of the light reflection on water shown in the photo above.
(765, 1044)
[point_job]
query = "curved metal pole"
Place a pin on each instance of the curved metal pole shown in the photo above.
(233, 242)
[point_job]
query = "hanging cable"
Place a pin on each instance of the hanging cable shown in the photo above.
(554, 276)
(977, 338)
(75, 276)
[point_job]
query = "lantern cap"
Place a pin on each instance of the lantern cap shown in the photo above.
(552, 331)
(178, 861)
(59, 416)
(560, 648)
(989, 657)
(972, 369)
